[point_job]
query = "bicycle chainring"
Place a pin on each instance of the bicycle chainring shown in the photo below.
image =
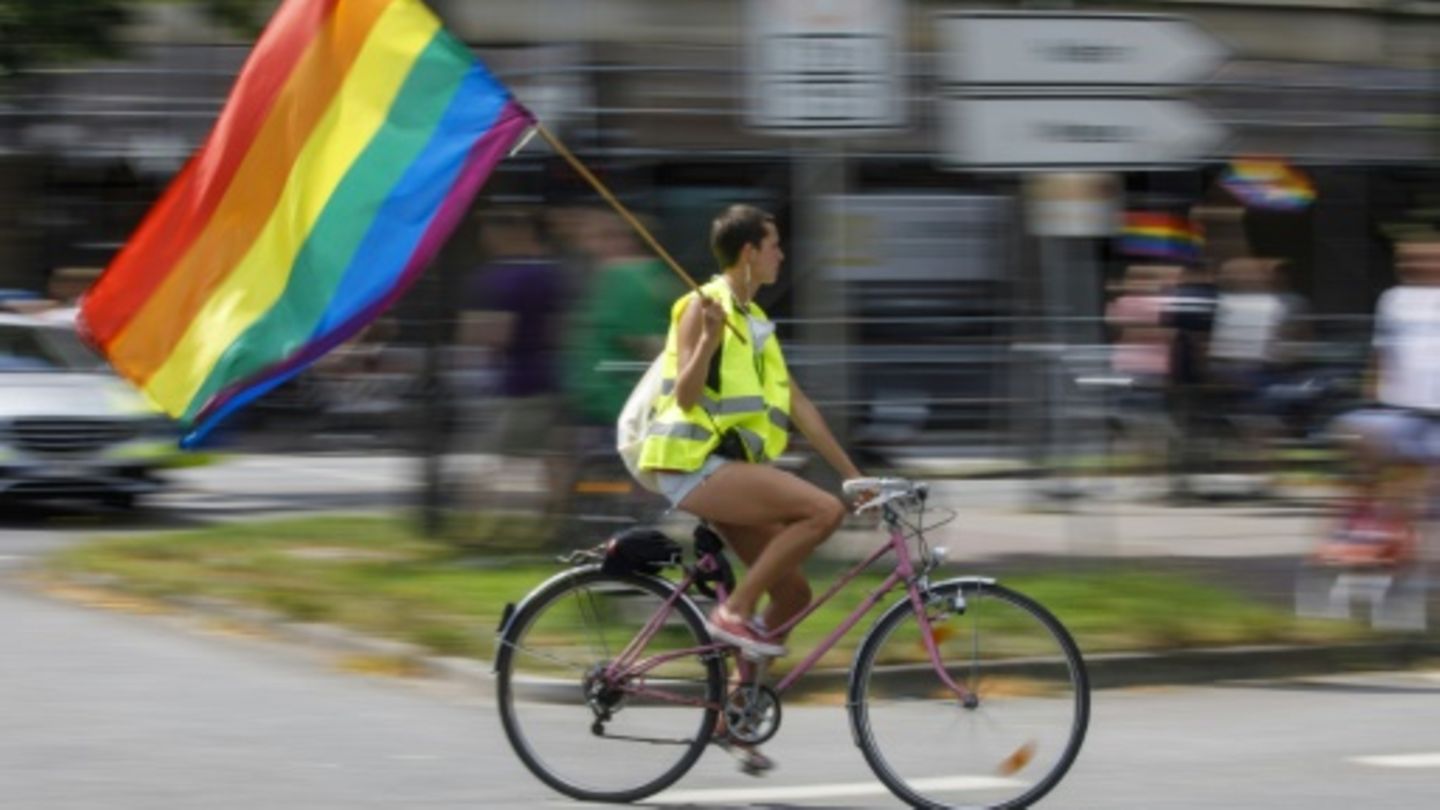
(752, 715)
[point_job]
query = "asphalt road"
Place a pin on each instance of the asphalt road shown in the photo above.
(104, 708)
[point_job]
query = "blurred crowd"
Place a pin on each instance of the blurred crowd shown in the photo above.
(567, 308)
(1217, 372)
(1204, 360)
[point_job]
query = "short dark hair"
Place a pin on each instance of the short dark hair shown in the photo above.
(734, 228)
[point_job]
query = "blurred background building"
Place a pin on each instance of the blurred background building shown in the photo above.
(919, 282)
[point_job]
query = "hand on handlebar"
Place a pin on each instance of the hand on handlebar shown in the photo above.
(860, 497)
(872, 493)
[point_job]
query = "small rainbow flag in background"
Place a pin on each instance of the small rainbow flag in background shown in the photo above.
(1158, 235)
(355, 137)
(1268, 183)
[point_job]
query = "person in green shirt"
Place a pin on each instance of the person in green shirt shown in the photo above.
(619, 325)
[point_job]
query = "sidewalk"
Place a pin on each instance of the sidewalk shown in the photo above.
(1114, 518)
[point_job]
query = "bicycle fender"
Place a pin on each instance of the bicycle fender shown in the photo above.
(965, 581)
(502, 633)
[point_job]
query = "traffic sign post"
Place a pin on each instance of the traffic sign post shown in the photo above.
(1062, 133)
(1052, 91)
(825, 67)
(1068, 50)
(1063, 92)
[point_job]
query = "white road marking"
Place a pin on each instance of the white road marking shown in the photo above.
(802, 792)
(1401, 761)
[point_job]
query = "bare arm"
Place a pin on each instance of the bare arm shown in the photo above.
(701, 328)
(808, 419)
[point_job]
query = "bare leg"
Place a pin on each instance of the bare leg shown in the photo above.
(758, 496)
(791, 594)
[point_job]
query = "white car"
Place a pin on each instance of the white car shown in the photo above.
(69, 427)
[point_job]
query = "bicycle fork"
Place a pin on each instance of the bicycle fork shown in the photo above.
(968, 699)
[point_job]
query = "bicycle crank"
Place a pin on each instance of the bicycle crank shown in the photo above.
(752, 713)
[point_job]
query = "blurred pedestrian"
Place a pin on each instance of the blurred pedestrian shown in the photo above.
(1140, 356)
(1190, 312)
(513, 305)
(1399, 434)
(1250, 347)
(618, 325)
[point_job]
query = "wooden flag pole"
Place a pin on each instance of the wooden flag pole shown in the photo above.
(624, 213)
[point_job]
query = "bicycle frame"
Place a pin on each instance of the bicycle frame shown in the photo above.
(628, 664)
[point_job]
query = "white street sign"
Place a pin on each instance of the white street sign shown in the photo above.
(825, 66)
(1065, 132)
(1067, 49)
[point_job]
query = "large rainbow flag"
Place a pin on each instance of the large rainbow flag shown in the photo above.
(355, 137)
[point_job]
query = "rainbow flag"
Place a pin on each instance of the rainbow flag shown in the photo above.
(356, 135)
(1268, 183)
(1171, 237)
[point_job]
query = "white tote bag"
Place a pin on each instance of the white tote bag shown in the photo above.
(634, 423)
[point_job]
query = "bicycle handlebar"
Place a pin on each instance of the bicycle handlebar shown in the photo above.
(887, 490)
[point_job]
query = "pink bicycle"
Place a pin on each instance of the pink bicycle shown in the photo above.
(963, 693)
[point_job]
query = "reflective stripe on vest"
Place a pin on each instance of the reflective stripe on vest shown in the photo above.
(681, 430)
(779, 419)
(754, 444)
(738, 405)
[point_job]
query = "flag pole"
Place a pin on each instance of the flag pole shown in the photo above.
(624, 212)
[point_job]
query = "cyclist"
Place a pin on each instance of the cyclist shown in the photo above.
(1400, 433)
(724, 412)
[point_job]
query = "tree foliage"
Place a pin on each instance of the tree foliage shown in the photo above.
(39, 32)
(46, 31)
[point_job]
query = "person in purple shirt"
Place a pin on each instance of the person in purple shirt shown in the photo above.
(514, 305)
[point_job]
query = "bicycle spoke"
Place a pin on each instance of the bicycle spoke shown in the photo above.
(578, 667)
(594, 618)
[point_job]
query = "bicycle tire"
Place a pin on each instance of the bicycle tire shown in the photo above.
(521, 734)
(991, 688)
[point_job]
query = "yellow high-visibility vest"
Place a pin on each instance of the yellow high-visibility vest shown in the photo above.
(744, 391)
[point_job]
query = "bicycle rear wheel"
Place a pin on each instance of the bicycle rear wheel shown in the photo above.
(589, 737)
(1032, 699)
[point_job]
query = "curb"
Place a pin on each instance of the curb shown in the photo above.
(1202, 665)
(1106, 670)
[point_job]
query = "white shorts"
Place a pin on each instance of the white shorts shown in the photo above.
(1398, 433)
(676, 486)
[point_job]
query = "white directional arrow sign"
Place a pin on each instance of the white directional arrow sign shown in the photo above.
(1060, 133)
(1067, 49)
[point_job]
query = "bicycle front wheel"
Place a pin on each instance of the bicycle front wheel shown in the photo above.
(607, 737)
(1005, 746)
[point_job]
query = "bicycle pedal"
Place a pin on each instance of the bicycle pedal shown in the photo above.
(751, 761)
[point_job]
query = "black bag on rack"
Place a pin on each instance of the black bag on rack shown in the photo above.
(640, 551)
